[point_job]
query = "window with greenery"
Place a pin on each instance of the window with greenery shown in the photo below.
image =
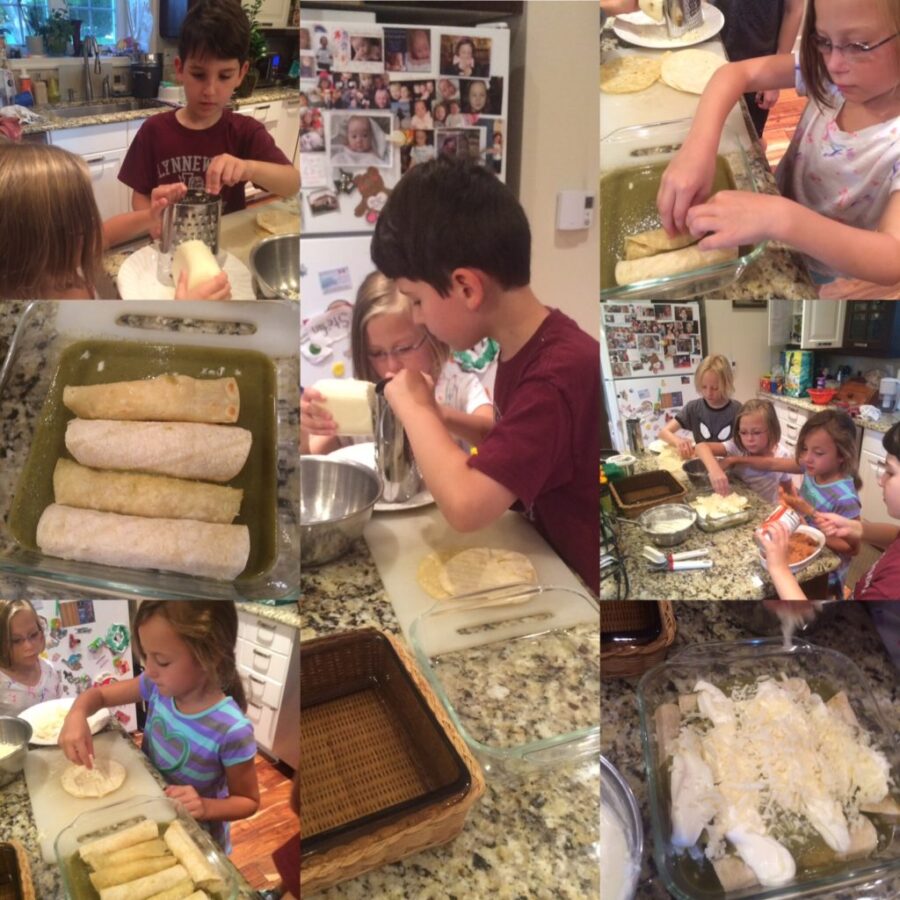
(98, 17)
(13, 21)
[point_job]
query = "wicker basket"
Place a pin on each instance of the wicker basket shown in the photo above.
(626, 660)
(639, 492)
(383, 772)
(24, 882)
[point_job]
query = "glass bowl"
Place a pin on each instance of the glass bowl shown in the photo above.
(617, 799)
(635, 157)
(109, 819)
(830, 672)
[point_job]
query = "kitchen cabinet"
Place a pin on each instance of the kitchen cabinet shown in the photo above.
(268, 663)
(273, 13)
(871, 499)
(872, 328)
(103, 148)
(811, 324)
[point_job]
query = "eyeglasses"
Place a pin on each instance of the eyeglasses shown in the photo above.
(397, 352)
(854, 50)
(32, 638)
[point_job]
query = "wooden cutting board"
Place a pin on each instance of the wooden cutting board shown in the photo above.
(54, 809)
(400, 541)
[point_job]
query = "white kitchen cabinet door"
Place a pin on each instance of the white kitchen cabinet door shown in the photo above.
(273, 13)
(870, 495)
(267, 113)
(823, 324)
(780, 314)
(287, 137)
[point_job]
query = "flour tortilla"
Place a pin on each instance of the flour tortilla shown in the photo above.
(689, 70)
(676, 262)
(199, 868)
(145, 830)
(106, 776)
(145, 887)
(429, 573)
(649, 243)
(628, 74)
(144, 495)
(278, 221)
(482, 568)
(180, 891)
(125, 872)
(144, 850)
(181, 449)
(166, 398)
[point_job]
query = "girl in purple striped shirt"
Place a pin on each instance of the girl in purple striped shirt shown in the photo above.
(196, 733)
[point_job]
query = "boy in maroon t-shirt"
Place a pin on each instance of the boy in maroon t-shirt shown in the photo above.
(203, 144)
(458, 244)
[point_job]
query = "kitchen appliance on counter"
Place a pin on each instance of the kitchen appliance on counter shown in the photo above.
(146, 75)
(269, 66)
(889, 393)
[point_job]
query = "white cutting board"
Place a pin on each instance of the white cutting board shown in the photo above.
(54, 809)
(399, 542)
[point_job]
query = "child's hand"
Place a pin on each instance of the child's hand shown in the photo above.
(75, 739)
(767, 99)
(161, 197)
(187, 796)
(734, 218)
(719, 481)
(226, 169)
(688, 179)
(776, 543)
(218, 288)
(833, 525)
(409, 389)
(315, 418)
(684, 447)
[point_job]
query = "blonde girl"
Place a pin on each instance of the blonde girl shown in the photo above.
(51, 231)
(196, 732)
(710, 418)
(756, 433)
(384, 339)
(839, 179)
(25, 678)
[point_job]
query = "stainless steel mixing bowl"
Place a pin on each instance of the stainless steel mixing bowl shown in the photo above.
(336, 500)
(18, 732)
(275, 263)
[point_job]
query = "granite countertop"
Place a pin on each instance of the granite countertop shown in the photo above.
(535, 838)
(849, 630)
(20, 409)
(736, 573)
(18, 824)
(884, 424)
(779, 272)
(55, 123)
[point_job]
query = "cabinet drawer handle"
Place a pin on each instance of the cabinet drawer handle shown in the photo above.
(257, 680)
(94, 159)
(264, 108)
(291, 102)
(260, 653)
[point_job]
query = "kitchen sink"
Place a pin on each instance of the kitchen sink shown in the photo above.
(99, 109)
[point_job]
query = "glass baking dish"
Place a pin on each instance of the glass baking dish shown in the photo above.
(538, 646)
(47, 329)
(107, 820)
(641, 148)
(710, 526)
(828, 672)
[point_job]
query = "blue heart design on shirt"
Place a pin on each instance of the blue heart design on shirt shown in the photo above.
(174, 742)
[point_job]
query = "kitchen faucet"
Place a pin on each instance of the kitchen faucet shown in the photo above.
(90, 45)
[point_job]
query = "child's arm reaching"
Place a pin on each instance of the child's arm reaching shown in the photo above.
(707, 451)
(682, 445)
(125, 226)
(75, 737)
(471, 427)
(768, 463)
(242, 800)
(688, 179)
(279, 178)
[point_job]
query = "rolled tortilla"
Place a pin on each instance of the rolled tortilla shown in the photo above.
(688, 259)
(144, 495)
(649, 243)
(182, 449)
(142, 888)
(734, 874)
(145, 830)
(144, 850)
(180, 891)
(201, 871)
(863, 840)
(126, 872)
(668, 725)
(166, 398)
(174, 545)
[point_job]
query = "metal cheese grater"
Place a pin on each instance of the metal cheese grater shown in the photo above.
(195, 217)
(400, 476)
(683, 16)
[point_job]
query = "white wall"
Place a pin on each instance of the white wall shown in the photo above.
(555, 57)
(742, 336)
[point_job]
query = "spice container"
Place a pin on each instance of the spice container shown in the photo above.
(788, 517)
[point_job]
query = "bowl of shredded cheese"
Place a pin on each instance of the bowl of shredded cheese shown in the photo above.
(14, 737)
(667, 525)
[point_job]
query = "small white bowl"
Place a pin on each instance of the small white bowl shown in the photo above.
(813, 533)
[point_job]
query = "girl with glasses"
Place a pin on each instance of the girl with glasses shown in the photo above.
(384, 339)
(25, 678)
(841, 173)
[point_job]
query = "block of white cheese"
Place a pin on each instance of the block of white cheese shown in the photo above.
(351, 403)
(652, 8)
(197, 259)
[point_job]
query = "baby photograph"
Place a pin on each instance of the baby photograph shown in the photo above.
(360, 139)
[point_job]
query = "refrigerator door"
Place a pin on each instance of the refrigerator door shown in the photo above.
(654, 401)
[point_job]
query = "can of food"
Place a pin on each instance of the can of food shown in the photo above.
(788, 517)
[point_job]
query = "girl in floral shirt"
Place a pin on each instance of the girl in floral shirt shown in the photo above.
(25, 678)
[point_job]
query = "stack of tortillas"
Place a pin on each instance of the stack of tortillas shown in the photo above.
(689, 70)
(629, 74)
(448, 573)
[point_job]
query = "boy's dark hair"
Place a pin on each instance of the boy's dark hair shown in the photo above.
(891, 441)
(450, 214)
(216, 28)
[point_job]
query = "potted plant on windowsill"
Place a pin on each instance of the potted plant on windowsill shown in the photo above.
(34, 41)
(257, 50)
(57, 32)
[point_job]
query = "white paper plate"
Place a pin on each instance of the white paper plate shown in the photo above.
(137, 277)
(36, 715)
(638, 28)
(815, 534)
(365, 453)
